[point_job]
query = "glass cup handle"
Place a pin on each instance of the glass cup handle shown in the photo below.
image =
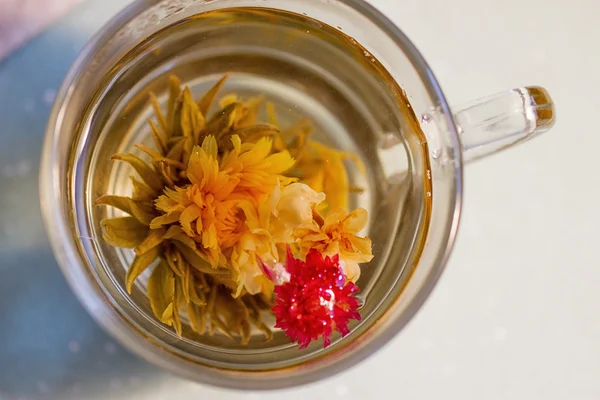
(494, 123)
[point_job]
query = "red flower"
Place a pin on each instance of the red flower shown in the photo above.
(316, 300)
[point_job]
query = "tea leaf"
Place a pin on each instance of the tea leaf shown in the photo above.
(176, 151)
(141, 191)
(172, 257)
(193, 313)
(256, 132)
(176, 233)
(187, 280)
(195, 260)
(357, 161)
(271, 114)
(252, 108)
(161, 293)
(165, 171)
(160, 139)
(188, 146)
(139, 265)
(202, 324)
(222, 122)
(245, 331)
(167, 316)
(176, 127)
(217, 322)
(120, 202)
(192, 120)
(154, 238)
(254, 312)
(212, 298)
(156, 156)
(140, 212)
(302, 128)
(174, 106)
(195, 297)
(209, 97)
(227, 100)
(124, 232)
(178, 301)
(243, 321)
(165, 219)
(162, 121)
(148, 175)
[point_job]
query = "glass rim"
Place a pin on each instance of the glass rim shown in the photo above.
(67, 251)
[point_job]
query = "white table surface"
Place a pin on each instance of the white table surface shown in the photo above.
(515, 315)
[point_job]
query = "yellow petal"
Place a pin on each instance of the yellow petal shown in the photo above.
(355, 221)
(280, 162)
(335, 217)
(362, 245)
(351, 269)
(209, 237)
(189, 215)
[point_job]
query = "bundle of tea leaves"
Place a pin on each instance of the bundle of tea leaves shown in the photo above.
(222, 204)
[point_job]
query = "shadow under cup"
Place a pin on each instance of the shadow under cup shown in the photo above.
(349, 71)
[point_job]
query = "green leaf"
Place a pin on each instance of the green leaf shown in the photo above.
(120, 202)
(147, 173)
(139, 265)
(153, 239)
(161, 293)
(209, 97)
(124, 232)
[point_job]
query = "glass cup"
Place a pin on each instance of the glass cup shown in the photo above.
(415, 146)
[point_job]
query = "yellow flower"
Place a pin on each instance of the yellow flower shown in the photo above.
(210, 208)
(338, 235)
(256, 169)
(271, 223)
(292, 208)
